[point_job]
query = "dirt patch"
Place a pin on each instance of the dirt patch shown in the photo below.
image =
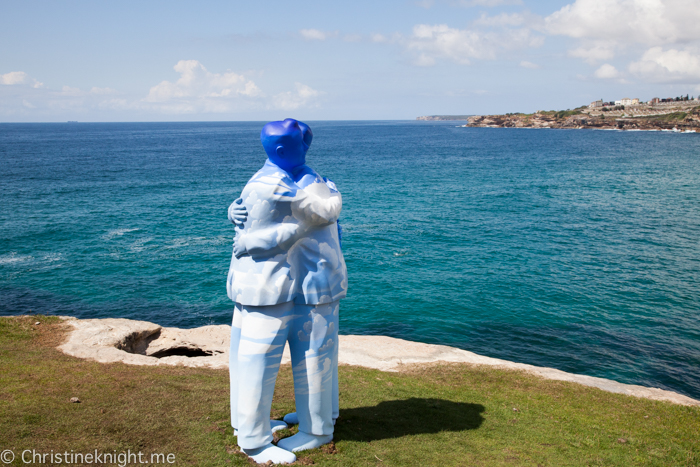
(50, 334)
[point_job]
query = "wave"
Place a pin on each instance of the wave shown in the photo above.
(51, 257)
(13, 258)
(117, 233)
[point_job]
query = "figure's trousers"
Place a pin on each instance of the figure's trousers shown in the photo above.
(258, 337)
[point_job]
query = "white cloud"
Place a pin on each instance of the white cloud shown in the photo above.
(425, 3)
(431, 42)
(664, 32)
(607, 71)
(13, 77)
(649, 22)
(19, 77)
(442, 41)
(205, 92)
(291, 100)
(665, 66)
(594, 53)
(316, 34)
(378, 38)
(199, 90)
(526, 64)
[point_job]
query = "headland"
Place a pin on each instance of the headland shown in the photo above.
(673, 115)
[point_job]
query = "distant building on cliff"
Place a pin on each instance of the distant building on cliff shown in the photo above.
(654, 100)
(596, 104)
(627, 101)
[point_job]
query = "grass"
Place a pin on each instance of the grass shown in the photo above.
(559, 114)
(672, 116)
(556, 114)
(446, 415)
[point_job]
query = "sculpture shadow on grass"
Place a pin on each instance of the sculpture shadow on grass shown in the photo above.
(397, 418)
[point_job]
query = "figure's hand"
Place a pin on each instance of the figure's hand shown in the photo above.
(237, 213)
(330, 184)
(239, 247)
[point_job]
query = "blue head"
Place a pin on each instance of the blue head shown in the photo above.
(286, 143)
(307, 134)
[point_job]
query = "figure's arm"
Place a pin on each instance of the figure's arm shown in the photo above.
(315, 210)
(329, 183)
(311, 209)
(266, 242)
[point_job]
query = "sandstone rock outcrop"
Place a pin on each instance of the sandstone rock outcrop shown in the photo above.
(143, 343)
(681, 121)
(673, 116)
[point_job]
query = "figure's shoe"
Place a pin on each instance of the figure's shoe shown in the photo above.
(292, 419)
(303, 441)
(270, 452)
(276, 425)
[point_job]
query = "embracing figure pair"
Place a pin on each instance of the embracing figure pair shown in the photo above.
(286, 278)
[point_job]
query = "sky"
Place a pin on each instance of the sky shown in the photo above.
(318, 60)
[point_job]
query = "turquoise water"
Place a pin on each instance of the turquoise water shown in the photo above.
(573, 249)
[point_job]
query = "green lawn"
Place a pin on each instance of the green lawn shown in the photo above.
(439, 415)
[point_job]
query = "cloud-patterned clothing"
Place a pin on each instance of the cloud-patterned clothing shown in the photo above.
(287, 288)
(258, 337)
(292, 236)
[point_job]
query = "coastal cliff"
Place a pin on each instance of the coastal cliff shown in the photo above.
(679, 118)
(680, 121)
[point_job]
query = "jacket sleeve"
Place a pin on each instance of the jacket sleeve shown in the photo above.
(270, 241)
(312, 209)
(308, 209)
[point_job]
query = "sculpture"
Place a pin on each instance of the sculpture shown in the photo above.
(287, 276)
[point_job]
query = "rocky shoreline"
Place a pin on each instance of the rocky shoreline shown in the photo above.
(678, 118)
(687, 124)
(142, 343)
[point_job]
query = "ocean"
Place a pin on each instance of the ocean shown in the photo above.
(573, 249)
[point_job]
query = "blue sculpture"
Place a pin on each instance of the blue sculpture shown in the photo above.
(287, 276)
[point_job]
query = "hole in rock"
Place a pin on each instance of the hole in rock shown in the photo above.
(182, 351)
(149, 343)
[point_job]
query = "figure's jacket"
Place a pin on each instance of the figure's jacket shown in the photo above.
(292, 237)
